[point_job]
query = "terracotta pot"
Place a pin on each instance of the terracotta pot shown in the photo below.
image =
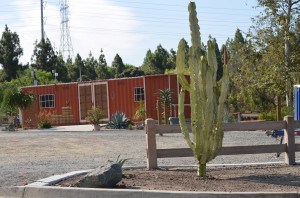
(96, 127)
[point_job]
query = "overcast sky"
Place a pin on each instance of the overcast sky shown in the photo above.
(126, 27)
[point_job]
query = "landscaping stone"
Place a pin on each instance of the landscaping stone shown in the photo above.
(106, 176)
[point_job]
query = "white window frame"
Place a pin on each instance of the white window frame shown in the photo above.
(46, 101)
(136, 95)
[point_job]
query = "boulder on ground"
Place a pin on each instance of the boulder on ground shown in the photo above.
(106, 176)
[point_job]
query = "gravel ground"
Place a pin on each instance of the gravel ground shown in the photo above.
(26, 156)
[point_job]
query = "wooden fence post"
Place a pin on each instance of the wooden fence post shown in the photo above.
(289, 139)
(151, 144)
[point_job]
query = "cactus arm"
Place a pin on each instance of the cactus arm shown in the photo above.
(224, 91)
(180, 69)
(195, 29)
(219, 131)
(184, 83)
(182, 122)
(212, 94)
(212, 60)
(197, 85)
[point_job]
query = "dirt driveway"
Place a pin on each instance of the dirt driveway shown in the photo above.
(26, 156)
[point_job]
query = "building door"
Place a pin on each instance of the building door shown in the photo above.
(85, 100)
(101, 98)
(93, 95)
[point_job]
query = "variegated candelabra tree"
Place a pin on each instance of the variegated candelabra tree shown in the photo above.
(207, 96)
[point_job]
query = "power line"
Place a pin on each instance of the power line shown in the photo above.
(164, 10)
(111, 31)
(140, 19)
(175, 5)
(147, 8)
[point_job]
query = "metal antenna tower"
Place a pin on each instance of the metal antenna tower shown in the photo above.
(66, 48)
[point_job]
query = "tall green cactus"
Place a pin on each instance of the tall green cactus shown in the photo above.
(207, 96)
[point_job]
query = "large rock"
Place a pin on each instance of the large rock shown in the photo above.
(106, 176)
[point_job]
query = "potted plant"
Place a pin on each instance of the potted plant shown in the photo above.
(94, 116)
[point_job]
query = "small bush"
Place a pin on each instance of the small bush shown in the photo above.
(271, 116)
(285, 111)
(43, 120)
(130, 127)
(44, 124)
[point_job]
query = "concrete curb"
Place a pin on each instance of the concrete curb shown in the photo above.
(59, 192)
(57, 178)
(49, 181)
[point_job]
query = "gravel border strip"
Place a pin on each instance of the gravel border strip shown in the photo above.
(49, 181)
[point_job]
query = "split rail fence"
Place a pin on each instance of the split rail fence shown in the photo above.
(288, 147)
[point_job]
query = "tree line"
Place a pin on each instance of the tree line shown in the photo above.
(46, 59)
(264, 62)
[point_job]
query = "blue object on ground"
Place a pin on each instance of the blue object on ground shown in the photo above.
(277, 133)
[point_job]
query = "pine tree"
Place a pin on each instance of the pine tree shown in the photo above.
(118, 65)
(102, 70)
(44, 57)
(10, 52)
(90, 64)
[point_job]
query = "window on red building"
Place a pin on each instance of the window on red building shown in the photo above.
(139, 94)
(47, 101)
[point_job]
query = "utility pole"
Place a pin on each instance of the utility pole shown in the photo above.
(66, 48)
(42, 22)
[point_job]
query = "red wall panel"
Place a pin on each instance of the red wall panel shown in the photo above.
(152, 85)
(66, 95)
(121, 95)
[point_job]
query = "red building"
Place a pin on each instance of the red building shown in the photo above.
(68, 103)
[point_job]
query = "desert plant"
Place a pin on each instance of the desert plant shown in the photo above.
(140, 113)
(165, 102)
(207, 96)
(118, 121)
(94, 116)
(120, 161)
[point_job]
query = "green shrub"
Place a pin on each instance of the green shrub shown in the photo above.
(44, 124)
(119, 121)
(271, 116)
(130, 127)
(287, 111)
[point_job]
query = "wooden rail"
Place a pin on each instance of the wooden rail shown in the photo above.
(288, 147)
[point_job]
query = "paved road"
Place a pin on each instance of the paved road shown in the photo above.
(26, 156)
